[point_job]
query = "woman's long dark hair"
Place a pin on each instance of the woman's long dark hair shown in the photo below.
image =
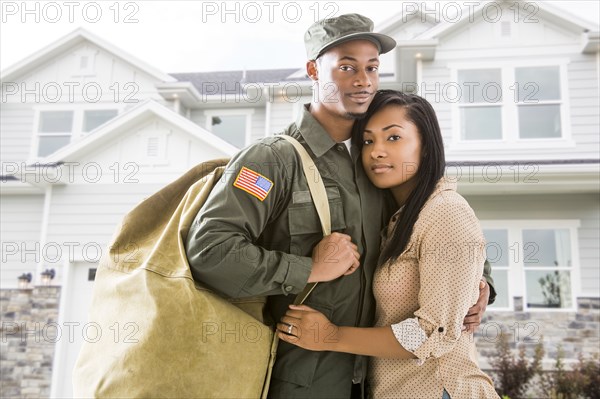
(431, 169)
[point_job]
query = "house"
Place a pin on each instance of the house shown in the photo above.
(88, 131)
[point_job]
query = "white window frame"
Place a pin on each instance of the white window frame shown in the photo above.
(511, 305)
(248, 112)
(37, 134)
(77, 128)
(516, 269)
(509, 108)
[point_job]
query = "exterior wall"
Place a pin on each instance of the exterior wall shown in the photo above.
(109, 83)
(16, 126)
(20, 230)
(28, 335)
(584, 87)
(282, 114)
(82, 221)
(582, 207)
(575, 332)
(479, 44)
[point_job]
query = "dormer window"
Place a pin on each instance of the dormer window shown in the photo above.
(56, 128)
(54, 131)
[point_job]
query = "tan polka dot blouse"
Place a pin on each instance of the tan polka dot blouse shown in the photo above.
(434, 282)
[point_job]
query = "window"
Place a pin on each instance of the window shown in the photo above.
(232, 126)
(538, 102)
(57, 128)
(94, 118)
(535, 260)
(511, 104)
(498, 256)
(54, 131)
(481, 115)
(547, 264)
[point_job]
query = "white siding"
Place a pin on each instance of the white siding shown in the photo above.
(82, 220)
(258, 124)
(122, 157)
(583, 207)
(478, 45)
(436, 76)
(282, 114)
(60, 84)
(16, 125)
(21, 217)
(585, 104)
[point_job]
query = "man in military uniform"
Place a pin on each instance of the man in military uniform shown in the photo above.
(259, 233)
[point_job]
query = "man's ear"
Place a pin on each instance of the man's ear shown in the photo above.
(311, 70)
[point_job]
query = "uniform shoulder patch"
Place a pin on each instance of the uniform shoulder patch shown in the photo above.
(253, 183)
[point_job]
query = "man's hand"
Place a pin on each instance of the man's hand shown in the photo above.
(475, 313)
(334, 256)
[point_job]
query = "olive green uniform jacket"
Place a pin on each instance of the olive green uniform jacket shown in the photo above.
(243, 244)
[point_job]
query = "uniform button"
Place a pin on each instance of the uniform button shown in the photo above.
(441, 329)
(356, 380)
(289, 288)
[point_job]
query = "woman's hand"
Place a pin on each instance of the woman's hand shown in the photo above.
(308, 329)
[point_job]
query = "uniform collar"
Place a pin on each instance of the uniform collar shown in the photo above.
(313, 133)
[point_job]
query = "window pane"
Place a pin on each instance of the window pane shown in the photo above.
(231, 128)
(481, 123)
(548, 289)
(538, 83)
(94, 118)
(539, 121)
(480, 85)
(497, 247)
(501, 285)
(546, 248)
(49, 144)
(56, 121)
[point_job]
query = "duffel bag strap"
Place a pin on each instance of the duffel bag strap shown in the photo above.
(319, 196)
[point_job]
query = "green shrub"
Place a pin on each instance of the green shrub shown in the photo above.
(583, 381)
(514, 375)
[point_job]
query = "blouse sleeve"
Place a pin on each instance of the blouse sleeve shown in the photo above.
(451, 258)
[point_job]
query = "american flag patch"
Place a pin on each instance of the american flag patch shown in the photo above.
(253, 183)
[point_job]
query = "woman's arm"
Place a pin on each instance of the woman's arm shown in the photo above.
(313, 331)
(450, 264)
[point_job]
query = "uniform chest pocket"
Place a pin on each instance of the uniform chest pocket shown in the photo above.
(303, 217)
(303, 221)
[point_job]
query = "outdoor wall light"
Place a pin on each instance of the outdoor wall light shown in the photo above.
(24, 280)
(47, 276)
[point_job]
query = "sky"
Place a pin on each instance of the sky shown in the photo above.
(199, 36)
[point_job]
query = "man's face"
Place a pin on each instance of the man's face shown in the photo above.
(348, 77)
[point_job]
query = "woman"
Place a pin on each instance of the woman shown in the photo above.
(431, 262)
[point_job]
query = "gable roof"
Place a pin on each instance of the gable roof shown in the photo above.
(231, 82)
(403, 17)
(74, 38)
(107, 131)
(546, 11)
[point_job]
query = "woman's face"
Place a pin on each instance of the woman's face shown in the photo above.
(391, 151)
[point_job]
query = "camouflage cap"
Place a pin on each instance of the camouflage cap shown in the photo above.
(327, 33)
